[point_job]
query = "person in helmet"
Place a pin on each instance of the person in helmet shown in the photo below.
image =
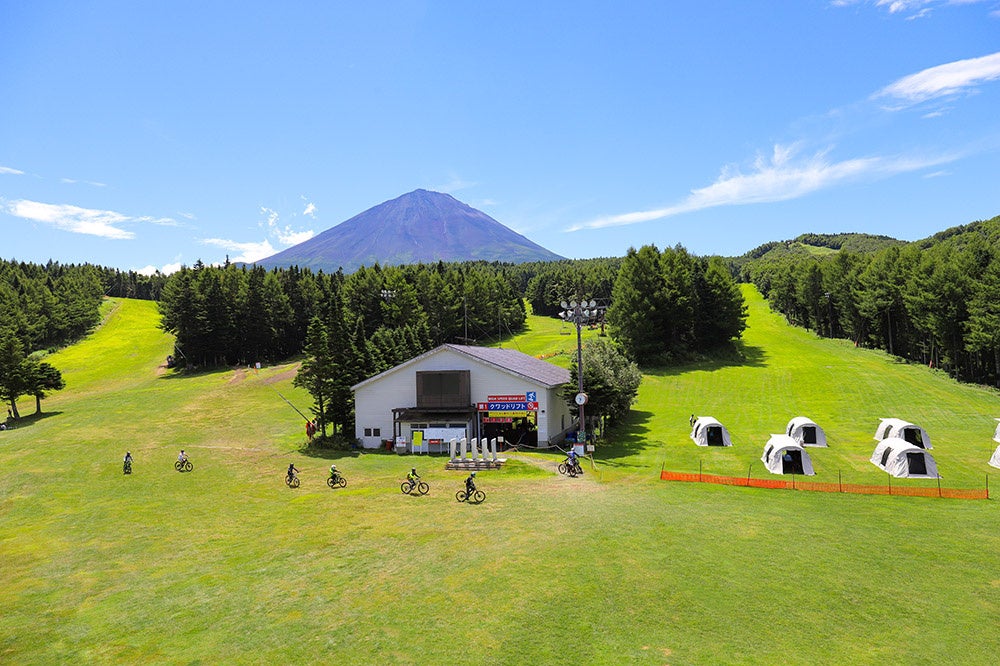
(470, 484)
(413, 477)
(334, 472)
(127, 463)
(292, 470)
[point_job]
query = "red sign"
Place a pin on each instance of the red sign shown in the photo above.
(497, 419)
(505, 398)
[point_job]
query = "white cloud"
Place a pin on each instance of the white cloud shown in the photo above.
(8, 171)
(71, 181)
(289, 237)
(247, 252)
(102, 223)
(942, 80)
(911, 8)
(166, 269)
(780, 178)
(310, 210)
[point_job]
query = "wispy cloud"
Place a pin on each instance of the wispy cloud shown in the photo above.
(246, 252)
(454, 184)
(72, 181)
(8, 171)
(781, 177)
(910, 9)
(310, 210)
(102, 223)
(941, 81)
(285, 235)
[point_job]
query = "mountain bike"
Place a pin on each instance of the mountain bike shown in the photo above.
(572, 469)
(127, 467)
(337, 481)
(477, 496)
(183, 466)
(292, 480)
(420, 487)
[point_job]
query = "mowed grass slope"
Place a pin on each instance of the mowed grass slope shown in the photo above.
(227, 565)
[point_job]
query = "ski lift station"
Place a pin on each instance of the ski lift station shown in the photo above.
(459, 391)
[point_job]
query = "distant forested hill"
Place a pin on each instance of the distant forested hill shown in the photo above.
(933, 301)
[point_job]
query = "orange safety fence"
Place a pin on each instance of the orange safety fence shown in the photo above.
(815, 486)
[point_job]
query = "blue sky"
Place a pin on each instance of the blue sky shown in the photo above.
(145, 135)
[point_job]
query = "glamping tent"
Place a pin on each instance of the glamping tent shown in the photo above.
(708, 431)
(783, 455)
(913, 434)
(805, 431)
(995, 460)
(904, 460)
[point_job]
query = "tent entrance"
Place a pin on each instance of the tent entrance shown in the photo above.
(808, 434)
(791, 462)
(912, 435)
(916, 463)
(713, 436)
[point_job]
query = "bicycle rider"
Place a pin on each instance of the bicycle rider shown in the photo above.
(571, 457)
(127, 462)
(334, 473)
(413, 477)
(291, 470)
(470, 484)
(182, 457)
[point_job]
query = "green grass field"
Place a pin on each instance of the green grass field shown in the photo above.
(227, 565)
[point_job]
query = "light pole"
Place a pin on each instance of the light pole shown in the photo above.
(579, 313)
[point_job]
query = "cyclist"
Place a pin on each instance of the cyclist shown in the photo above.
(413, 477)
(127, 463)
(291, 471)
(470, 484)
(182, 457)
(334, 473)
(572, 461)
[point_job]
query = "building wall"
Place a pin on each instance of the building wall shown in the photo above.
(375, 401)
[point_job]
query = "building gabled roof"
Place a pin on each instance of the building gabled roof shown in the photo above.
(508, 360)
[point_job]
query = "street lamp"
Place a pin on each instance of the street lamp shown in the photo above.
(579, 313)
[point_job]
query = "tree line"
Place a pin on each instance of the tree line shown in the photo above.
(43, 306)
(935, 302)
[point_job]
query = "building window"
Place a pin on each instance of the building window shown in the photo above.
(368, 432)
(376, 432)
(444, 388)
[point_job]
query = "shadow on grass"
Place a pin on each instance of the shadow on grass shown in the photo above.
(741, 356)
(29, 420)
(627, 439)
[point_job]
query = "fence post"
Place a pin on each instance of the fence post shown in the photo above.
(840, 481)
(987, 486)
(889, 476)
(793, 481)
(748, 474)
(699, 471)
(939, 485)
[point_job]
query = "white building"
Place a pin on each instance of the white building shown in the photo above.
(461, 391)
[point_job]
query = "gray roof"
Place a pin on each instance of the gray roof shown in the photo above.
(509, 360)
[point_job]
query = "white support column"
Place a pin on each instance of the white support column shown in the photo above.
(453, 445)
(496, 447)
(465, 444)
(474, 448)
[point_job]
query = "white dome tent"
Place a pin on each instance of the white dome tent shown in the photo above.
(783, 455)
(904, 430)
(805, 431)
(707, 431)
(995, 460)
(904, 460)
